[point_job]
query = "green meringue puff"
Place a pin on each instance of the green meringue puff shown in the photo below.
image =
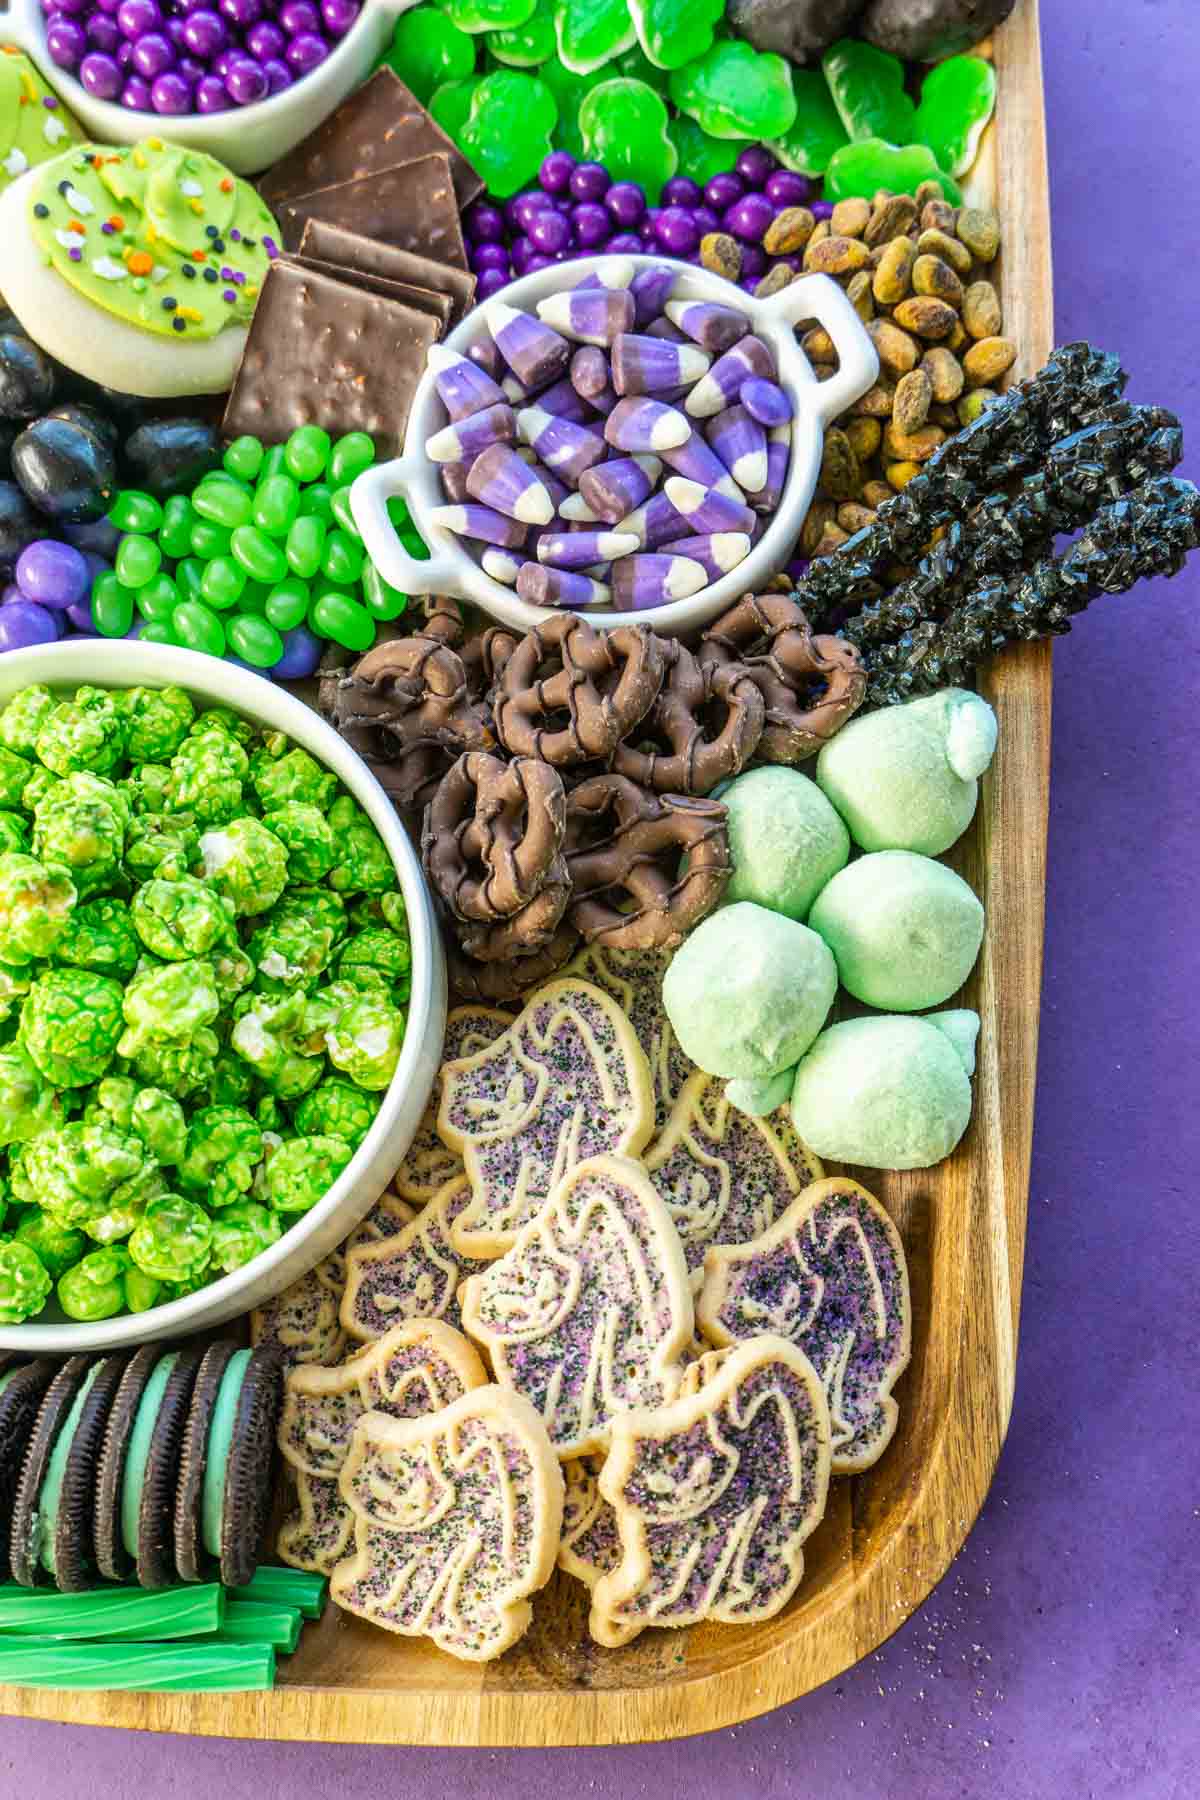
(887, 1092)
(904, 930)
(785, 839)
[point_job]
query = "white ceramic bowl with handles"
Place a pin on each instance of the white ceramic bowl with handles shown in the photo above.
(451, 569)
(121, 663)
(246, 139)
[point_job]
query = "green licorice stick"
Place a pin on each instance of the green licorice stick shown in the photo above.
(208, 1668)
(246, 1622)
(271, 1585)
(113, 1613)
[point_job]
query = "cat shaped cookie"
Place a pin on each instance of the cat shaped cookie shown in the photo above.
(303, 1321)
(428, 1164)
(633, 978)
(591, 1543)
(413, 1275)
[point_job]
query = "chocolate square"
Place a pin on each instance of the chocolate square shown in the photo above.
(381, 125)
(321, 352)
(412, 207)
(349, 250)
(438, 306)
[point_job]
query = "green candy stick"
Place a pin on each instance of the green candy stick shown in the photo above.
(272, 1585)
(211, 1668)
(112, 1613)
(246, 1622)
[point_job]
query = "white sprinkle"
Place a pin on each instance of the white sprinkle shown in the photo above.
(193, 189)
(107, 269)
(68, 239)
(53, 129)
(78, 202)
(16, 162)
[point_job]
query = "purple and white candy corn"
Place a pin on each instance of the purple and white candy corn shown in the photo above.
(480, 522)
(579, 549)
(613, 272)
(642, 581)
(643, 424)
(567, 449)
(498, 478)
(722, 386)
(576, 509)
(779, 455)
(564, 400)
(589, 315)
(589, 371)
(514, 391)
(697, 462)
(463, 388)
(650, 365)
(463, 441)
(484, 354)
(615, 488)
(714, 328)
(717, 552)
(663, 328)
(535, 354)
(706, 509)
(454, 481)
(650, 289)
(501, 565)
(741, 444)
(655, 521)
(765, 401)
(543, 586)
(557, 490)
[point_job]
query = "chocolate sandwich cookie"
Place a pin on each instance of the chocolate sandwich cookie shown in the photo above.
(155, 1549)
(35, 1500)
(236, 1489)
(126, 1418)
(191, 1559)
(73, 1530)
(22, 1389)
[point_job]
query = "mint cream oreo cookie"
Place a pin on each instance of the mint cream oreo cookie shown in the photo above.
(31, 1540)
(23, 1386)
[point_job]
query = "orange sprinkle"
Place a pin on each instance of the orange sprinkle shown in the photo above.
(226, 185)
(77, 225)
(116, 221)
(197, 206)
(138, 263)
(199, 256)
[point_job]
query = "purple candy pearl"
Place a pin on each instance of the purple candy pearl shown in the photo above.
(550, 231)
(136, 17)
(676, 231)
(680, 191)
(171, 94)
(295, 16)
(173, 28)
(526, 207)
(103, 33)
(590, 181)
(305, 52)
(489, 256)
(205, 32)
(71, 6)
(246, 82)
(53, 574)
(224, 60)
(100, 75)
(626, 243)
(108, 6)
(522, 250)
(706, 220)
(191, 69)
(338, 16)
(625, 202)
(124, 53)
(821, 209)
(754, 262)
(265, 40)
(755, 165)
(24, 623)
(723, 190)
(152, 54)
(556, 171)
(210, 94)
(539, 262)
(485, 223)
(749, 217)
(66, 40)
(786, 188)
(136, 94)
(490, 282)
(592, 224)
(278, 75)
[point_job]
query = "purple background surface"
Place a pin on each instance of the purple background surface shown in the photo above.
(1059, 1657)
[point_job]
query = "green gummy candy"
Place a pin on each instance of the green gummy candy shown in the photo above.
(428, 49)
(487, 15)
(700, 156)
(450, 106)
(636, 63)
(570, 91)
(674, 32)
(592, 32)
(624, 126)
(860, 170)
(958, 98)
(507, 133)
(524, 46)
(868, 90)
(818, 131)
(734, 91)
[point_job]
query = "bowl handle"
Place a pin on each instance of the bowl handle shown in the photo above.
(438, 573)
(819, 297)
(17, 29)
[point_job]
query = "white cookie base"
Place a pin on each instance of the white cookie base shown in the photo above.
(95, 343)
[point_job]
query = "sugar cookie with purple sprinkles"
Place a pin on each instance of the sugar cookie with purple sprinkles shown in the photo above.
(427, 1164)
(415, 1275)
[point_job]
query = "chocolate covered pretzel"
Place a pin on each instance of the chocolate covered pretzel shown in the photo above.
(810, 685)
(497, 983)
(698, 756)
(492, 834)
(569, 694)
(624, 850)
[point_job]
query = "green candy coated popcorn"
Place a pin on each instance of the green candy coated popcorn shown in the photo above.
(180, 1065)
(41, 781)
(147, 788)
(624, 126)
(171, 1002)
(87, 732)
(23, 718)
(428, 48)
(525, 46)
(290, 949)
(867, 86)
(365, 866)
(337, 1109)
(674, 32)
(700, 156)
(307, 836)
(207, 772)
(394, 912)
(569, 91)
(223, 1146)
(70, 1024)
(282, 772)
(279, 1041)
(119, 1214)
(99, 935)
(734, 91)
(366, 1038)
(591, 32)
(223, 718)
(958, 97)
(141, 1291)
(487, 15)
(162, 843)
(241, 1232)
(181, 918)
(14, 985)
(377, 959)
(73, 1171)
(450, 105)
(58, 1247)
(174, 1239)
(14, 832)
(35, 904)
(302, 1170)
(94, 1288)
(158, 720)
(247, 863)
(507, 133)
(158, 1119)
(818, 131)
(27, 1104)
(232, 1081)
(14, 774)
(81, 824)
(24, 1283)
(860, 170)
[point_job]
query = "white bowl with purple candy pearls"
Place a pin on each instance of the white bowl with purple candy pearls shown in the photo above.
(546, 473)
(245, 137)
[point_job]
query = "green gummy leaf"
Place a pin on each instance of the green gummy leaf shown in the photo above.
(868, 90)
(735, 91)
(859, 170)
(428, 49)
(674, 32)
(527, 45)
(450, 105)
(818, 130)
(624, 126)
(507, 132)
(592, 32)
(700, 156)
(635, 63)
(570, 91)
(958, 98)
(487, 15)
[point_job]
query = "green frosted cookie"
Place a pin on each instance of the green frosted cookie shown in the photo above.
(904, 930)
(785, 839)
(886, 1092)
(748, 992)
(906, 778)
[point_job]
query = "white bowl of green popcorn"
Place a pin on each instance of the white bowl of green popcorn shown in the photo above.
(228, 916)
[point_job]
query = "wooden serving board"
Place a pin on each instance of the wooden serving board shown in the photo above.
(889, 1535)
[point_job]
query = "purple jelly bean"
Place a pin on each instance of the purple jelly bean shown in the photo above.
(542, 585)
(535, 353)
(500, 480)
(593, 315)
(80, 615)
(643, 424)
(717, 552)
(302, 651)
(24, 623)
(650, 365)
(53, 574)
(463, 388)
(706, 509)
(616, 488)
(642, 581)
(741, 443)
(765, 401)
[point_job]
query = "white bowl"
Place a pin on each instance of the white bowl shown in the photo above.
(451, 569)
(122, 662)
(245, 138)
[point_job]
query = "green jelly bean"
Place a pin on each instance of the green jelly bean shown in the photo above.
(188, 576)
(276, 505)
(134, 511)
(414, 543)
(428, 49)
(158, 599)
(342, 512)
(305, 542)
(209, 539)
(254, 598)
(223, 582)
(138, 560)
(317, 500)
(197, 627)
(382, 600)
(343, 557)
(254, 640)
(258, 556)
(397, 511)
(335, 615)
(243, 457)
(175, 532)
(287, 603)
(222, 501)
(306, 453)
(273, 463)
(350, 456)
(158, 632)
(112, 606)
